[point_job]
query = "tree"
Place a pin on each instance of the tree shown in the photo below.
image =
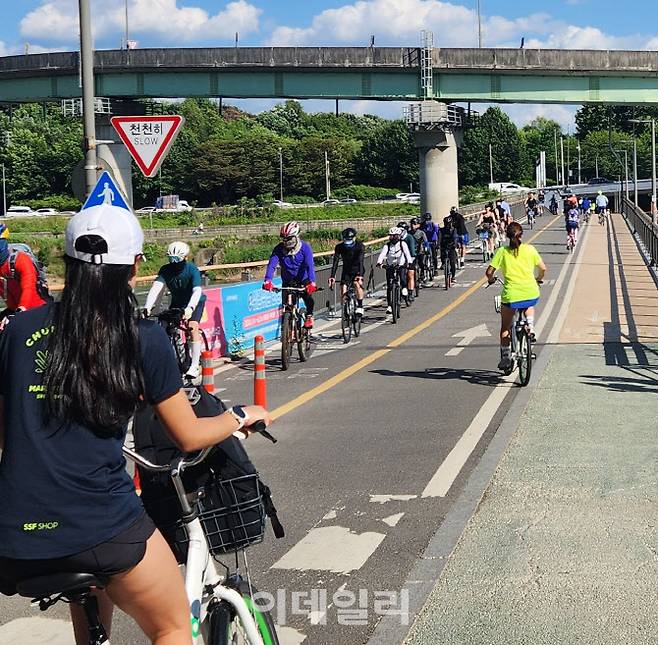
(539, 135)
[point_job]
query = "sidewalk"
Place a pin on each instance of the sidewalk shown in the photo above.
(564, 545)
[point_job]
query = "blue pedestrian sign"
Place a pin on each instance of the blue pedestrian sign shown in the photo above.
(106, 191)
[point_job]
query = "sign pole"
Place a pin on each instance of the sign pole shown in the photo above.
(87, 66)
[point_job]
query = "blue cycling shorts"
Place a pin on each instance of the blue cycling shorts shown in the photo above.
(464, 239)
(522, 304)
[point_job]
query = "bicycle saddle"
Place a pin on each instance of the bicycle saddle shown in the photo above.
(59, 583)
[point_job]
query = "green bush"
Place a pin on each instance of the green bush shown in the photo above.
(59, 202)
(365, 193)
(300, 199)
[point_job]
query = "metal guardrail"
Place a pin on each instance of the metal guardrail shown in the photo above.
(642, 226)
(429, 114)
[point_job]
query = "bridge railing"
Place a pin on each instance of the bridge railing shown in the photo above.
(642, 226)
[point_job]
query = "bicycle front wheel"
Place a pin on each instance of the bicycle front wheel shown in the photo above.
(524, 353)
(304, 342)
(226, 627)
(395, 302)
(286, 339)
(346, 322)
(446, 273)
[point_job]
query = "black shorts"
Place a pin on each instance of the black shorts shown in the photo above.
(119, 554)
(347, 279)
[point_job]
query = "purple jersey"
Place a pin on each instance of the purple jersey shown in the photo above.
(298, 267)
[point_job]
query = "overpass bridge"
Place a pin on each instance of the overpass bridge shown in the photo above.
(373, 73)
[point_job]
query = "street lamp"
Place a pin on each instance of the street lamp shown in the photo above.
(653, 163)
(281, 173)
(580, 179)
(625, 168)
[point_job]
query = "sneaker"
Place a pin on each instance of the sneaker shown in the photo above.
(505, 363)
(308, 323)
(389, 309)
(193, 372)
(359, 311)
(405, 291)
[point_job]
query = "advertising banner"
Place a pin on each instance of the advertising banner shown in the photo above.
(235, 314)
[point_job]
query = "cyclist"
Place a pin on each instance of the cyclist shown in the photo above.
(449, 242)
(19, 288)
(531, 205)
(584, 207)
(541, 198)
(431, 230)
(553, 206)
(572, 225)
(518, 262)
(64, 424)
(183, 280)
(601, 204)
(422, 245)
(395, 256)
(410, 241)
(352, 252)
(487, 224)
(459, 223)
(297, 267)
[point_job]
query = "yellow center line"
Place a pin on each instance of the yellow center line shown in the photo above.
(377, 354)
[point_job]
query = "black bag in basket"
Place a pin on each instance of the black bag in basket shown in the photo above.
(232, 499)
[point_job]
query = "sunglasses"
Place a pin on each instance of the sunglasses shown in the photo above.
(289, 238)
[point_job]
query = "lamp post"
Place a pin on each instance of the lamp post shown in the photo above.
(557, 169)
(625, 170)
(491, 177)
(4, 191)
(87, 64)
(580, 178)
(635, 170)
(281, 174)
(479, 26)
(564, 180)
(653, 163)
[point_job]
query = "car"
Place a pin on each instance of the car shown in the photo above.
(401, 196)
(146, 209)
(508, 187)
(281, 204)
(411, 198)
(330, 202)
(348, 200)
(20, 210)
(597, 181)
(47, 211)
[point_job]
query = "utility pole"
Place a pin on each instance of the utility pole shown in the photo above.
(557, 168)
(4, 191)
(597, 164)
(281, 173)
(491, 177)
(479, 26)
(635, 170)
(87, 60)
(580, 177)
(127, 33)
(568, 160)
(564, 180)
(326, 174)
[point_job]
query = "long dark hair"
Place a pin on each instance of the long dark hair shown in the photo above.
(93, 375)
(514, 233)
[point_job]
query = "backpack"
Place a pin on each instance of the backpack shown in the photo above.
(574, 216)
(225, 479)
(42, 279)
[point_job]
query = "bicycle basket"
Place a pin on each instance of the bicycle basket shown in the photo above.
(232, 516)
(498, 303)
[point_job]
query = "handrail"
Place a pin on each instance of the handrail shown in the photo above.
(643, 227)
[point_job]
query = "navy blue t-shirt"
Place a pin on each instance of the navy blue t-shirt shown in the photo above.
(180, 278)
(63, 489)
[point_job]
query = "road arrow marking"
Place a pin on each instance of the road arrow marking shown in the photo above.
(467, 337)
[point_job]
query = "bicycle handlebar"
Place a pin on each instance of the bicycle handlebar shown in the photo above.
(297, 289)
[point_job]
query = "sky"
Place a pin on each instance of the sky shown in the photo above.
(52, 25)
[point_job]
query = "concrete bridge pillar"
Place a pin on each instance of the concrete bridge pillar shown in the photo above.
(439, 183)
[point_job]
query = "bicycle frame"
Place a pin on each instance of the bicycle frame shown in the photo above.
(202, 582)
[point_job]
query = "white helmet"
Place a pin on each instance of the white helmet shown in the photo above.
(394, 230)
(178, 251)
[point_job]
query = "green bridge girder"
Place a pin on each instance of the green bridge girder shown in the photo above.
(494, 75)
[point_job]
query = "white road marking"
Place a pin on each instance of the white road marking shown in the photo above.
(467, 337)
(37, 630)
(383, 499)
(289, 636)
(392, 520)
(331, 548)
(452, 465)
(331, 515)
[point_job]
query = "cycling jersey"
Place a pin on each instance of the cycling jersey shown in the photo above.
(181, 279)
(458, 222)
(531, 204)
(421, 242)
(431, 230)
(411, 244)
(395, 254)
(586, 204)
(21, 291)
(601, 202)
(449, 239)
(297, 266)
(518, 267)
(573, 219)
(65, 490)
(352, 257)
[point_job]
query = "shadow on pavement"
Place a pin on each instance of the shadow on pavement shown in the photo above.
(645, 382)
(476, 377)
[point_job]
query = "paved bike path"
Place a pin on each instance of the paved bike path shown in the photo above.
(563, 546)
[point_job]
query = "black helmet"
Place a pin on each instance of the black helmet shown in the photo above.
(349, 233)
(453, 209)
(414, 221)
(403, 225)
(427, 217)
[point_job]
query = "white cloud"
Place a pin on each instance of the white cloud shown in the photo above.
(57, 20)
(523, 114)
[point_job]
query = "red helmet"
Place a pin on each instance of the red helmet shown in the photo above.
(289, 229)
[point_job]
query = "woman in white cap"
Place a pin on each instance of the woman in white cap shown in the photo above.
(71, 376)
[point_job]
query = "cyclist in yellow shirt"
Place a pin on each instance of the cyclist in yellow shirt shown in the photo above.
(518, 263)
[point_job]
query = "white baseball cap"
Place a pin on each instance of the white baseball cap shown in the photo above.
(104, 234)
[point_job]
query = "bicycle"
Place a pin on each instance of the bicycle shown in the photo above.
(394, 291)
(521, 342)
(350, 321)
(293, 331)
(449, 262)
(602, 217)
(531, 218)
(484, 241)
(225, 609)
(586, 216)
(180, 336)
(571, 240)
